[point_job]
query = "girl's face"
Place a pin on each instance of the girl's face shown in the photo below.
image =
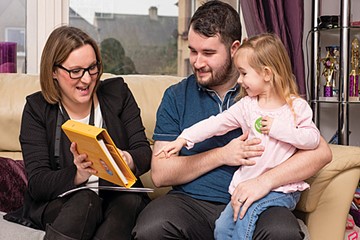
(252, 81)
(80, 90)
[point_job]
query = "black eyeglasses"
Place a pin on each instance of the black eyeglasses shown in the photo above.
(78, 73)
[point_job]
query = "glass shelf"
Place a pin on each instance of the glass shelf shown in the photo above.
(341, 36)
(334, 100)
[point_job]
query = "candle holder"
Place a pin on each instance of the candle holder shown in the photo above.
(8, 57)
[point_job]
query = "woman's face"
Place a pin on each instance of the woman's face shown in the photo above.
(77, 91)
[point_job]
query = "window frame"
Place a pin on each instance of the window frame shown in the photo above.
(21, 31)
(42, 17)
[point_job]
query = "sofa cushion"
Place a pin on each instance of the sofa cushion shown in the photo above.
(148, 91)
(13, 184)
(14, 231)
(14, 88)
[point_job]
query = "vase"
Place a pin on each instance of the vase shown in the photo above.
(8, 57)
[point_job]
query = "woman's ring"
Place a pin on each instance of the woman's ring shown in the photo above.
(241, 202)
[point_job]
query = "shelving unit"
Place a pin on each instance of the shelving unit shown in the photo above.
(344, 42)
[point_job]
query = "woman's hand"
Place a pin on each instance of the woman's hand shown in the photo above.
(84, 170)
(128, 159)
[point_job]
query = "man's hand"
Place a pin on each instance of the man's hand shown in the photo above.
(246, 193)
(178, 170)
(236, 152)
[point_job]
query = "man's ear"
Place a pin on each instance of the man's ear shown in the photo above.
(268, 74)
(234, 47)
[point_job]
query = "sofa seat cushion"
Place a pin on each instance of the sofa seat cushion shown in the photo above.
(13, 184)
(16, 231)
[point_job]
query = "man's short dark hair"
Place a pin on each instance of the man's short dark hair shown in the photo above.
(216, 17)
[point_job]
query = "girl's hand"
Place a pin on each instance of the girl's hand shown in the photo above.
(172, 147)
(84, 170)
(266, 123)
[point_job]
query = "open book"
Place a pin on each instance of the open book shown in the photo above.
(101, 151)
(110, 188)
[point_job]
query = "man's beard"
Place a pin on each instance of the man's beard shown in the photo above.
(224, 74)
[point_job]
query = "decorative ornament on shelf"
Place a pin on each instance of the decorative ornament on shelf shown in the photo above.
(354, 73)
(330, 68)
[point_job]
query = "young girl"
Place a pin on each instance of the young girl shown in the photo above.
(269, 109)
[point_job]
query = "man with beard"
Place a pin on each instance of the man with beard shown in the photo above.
(200, 177)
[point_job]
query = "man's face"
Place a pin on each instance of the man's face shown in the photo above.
(210, 59)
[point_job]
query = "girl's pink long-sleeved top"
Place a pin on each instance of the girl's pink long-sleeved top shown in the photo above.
(287, 134)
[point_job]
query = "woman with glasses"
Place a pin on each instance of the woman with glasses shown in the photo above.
(70, 73)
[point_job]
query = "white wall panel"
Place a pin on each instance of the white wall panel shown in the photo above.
(42, 16)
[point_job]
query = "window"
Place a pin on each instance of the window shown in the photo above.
(16, 35)
(135, 37)
(104, 15)
(161, 51)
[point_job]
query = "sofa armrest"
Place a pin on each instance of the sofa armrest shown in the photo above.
(146, 180)
(344, 158)
(326, 204)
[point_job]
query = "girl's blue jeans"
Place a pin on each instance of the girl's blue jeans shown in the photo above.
(243, 229)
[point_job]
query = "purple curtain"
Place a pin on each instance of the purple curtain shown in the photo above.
(284, 18)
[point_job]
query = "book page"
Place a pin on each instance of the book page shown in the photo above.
(113, 162)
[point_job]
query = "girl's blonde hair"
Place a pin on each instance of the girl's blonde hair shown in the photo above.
(269, 51)
(61, 42)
